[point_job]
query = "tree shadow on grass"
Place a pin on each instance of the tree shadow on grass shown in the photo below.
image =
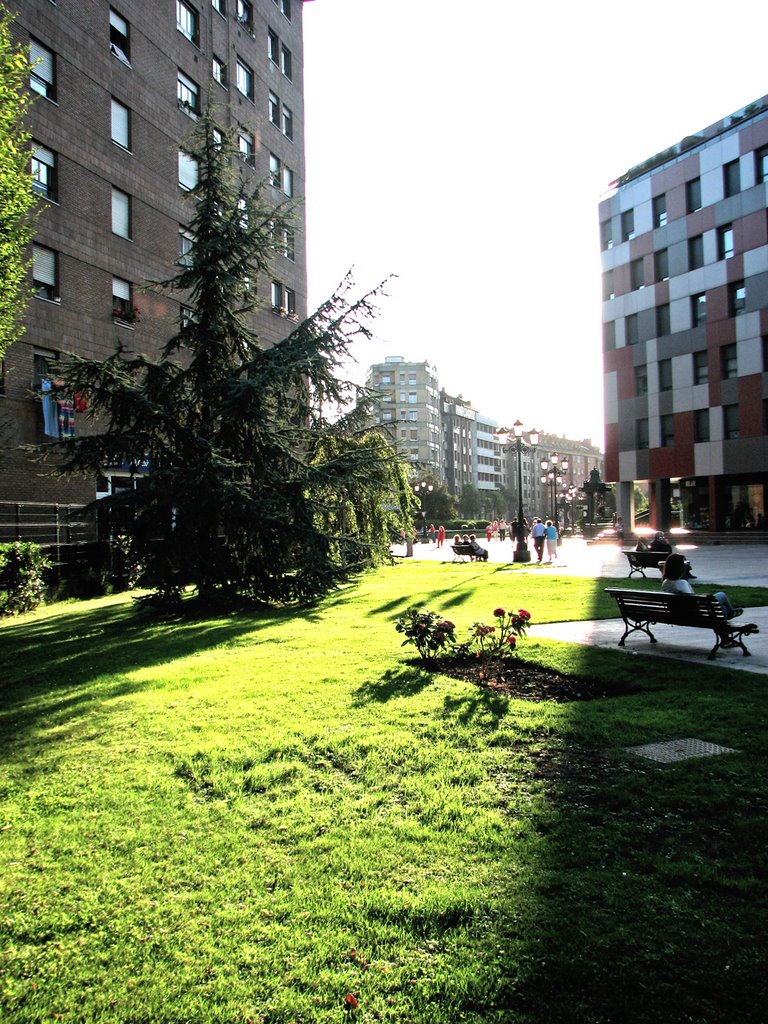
(404, 681)
(51, 663)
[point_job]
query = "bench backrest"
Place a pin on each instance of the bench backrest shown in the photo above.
(462, 549)
(677, 609)
(647, 559)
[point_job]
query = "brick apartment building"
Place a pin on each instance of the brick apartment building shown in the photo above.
(684, 239)
(118, 89)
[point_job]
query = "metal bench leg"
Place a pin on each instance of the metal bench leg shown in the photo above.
(637, 627)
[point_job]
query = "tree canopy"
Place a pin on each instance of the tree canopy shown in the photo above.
(260, 483)
(17, 200)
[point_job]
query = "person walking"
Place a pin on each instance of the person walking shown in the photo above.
(551, 540)
(489, 532)
(502, 529)
(539, 534)
(431, 533)
(440, 535)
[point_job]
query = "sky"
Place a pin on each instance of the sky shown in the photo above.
(460, 149)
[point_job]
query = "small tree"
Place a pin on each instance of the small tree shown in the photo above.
(17, 200)
(259, 484)
(470, 502)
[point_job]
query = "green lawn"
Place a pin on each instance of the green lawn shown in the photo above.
(277, 817)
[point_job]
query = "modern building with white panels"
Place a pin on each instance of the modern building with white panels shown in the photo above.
(684, 240)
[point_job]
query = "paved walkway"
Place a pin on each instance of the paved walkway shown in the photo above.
(727, 565)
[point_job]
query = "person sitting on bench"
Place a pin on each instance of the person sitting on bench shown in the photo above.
(662, 545)
(478, 551)
(674, 582)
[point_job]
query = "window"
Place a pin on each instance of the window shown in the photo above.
(693, 195)
(641, 380)
(283, 299)
(274, 109)
(698, 309)
(45, 273)
(42, 76)
(286, 62)
(412, 398)
(667, 424)
(728, 362)
(244, 79)
(220, 6)
(732, 178)
(274, 170)
(289, 244)
(121, 124)
(663, 321)
(219, 70)
(287, 122)
(273, 46)
(188, 171)
(123, 308)
(121, 213)
(696, 252)
(609, 335)
(186, 244)
(245, 145)
(187, 94)
(730, 422)
(761, 165)
(701, 425)
(608, 285)
(661, 265)
(737, 298)
(659, 211)
(119, 36)
(288, 182)
(627, 225)
(44, 178)
(665, 375)
(725, 242)
(606, 234)
(637, 274)
(188, 21)
(245, 14)
(285, 7)
(700, 367)
(413, 417)
(641, 436)
(632, 329)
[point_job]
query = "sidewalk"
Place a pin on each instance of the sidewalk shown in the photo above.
(727, 565)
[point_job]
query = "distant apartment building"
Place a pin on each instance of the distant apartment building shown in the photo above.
(684, 240)
(407, 409)
(118, 89)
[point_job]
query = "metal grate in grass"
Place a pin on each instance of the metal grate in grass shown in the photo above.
(679, 750)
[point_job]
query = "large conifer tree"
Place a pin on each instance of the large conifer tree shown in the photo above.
(259, 485)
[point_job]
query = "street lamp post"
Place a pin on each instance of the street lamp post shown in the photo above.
(554, 469)
(512, 440)
(421, 489)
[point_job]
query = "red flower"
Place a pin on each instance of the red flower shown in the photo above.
(499, 613)
(512, 641)
(350, 1001)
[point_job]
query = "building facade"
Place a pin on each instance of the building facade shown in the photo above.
(684, 240)
(118, 89)
(407, 410)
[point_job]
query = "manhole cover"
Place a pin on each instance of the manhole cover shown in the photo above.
(679, 750)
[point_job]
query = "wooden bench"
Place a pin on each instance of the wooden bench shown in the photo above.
(642, 608)
(462, 551)
(639, 561)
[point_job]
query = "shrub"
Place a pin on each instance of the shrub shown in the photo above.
(21, 577)
(426, 631)
(433, 635)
